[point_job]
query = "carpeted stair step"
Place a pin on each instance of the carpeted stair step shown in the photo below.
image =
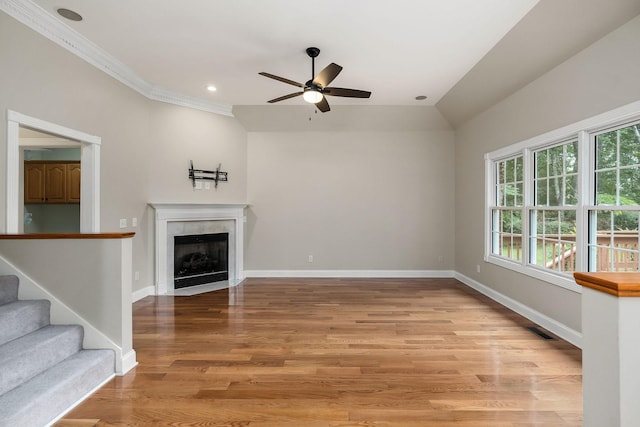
(43, 369)
(27, 356)
(19, 318)
(8, 289)
(47, 396)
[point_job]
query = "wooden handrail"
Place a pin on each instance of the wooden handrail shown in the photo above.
(617, 284)
(53, 236)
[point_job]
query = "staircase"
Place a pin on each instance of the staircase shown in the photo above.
(43, 369)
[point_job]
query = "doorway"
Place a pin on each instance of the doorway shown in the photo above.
(89, 146)
(51, 185)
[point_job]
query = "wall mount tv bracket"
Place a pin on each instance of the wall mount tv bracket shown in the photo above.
(201, 174)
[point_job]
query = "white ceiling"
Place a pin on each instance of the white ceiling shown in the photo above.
(395, 49)
(465, 55)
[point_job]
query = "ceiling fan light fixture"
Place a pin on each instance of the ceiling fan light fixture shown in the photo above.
(317, 89)
(312, 96)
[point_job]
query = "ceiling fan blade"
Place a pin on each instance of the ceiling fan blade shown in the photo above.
(323, 105)
(282, 98)
(327, 75)
(349, 93)
(281, 79)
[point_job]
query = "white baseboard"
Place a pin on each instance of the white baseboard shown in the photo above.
(559, 329)
(141, 293)
(352, 273)
(128, 362)
(79, 401)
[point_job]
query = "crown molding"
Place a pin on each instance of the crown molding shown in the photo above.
(40, 21)
(170, 97)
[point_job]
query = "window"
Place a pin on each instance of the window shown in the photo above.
(506, 227)
(613, 221)
(568, 200)
(553, 217)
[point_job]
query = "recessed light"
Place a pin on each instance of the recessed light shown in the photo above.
(211, 88)
(69, 14)
(421, 97)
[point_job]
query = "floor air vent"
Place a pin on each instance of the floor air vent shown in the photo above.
(540, 333)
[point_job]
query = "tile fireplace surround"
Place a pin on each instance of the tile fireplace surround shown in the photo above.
(178, 219)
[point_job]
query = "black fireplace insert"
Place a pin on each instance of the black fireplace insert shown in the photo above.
(199, 259)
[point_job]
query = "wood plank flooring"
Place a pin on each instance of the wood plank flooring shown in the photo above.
(338, 353)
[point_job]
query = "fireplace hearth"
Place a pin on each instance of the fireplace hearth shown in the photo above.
(200, 259)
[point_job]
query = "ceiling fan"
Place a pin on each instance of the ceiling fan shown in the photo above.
(317, 89)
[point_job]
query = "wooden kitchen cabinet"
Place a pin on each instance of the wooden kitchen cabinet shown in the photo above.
(73, 182)
(51, 182)
(55, 176)
(33, 182)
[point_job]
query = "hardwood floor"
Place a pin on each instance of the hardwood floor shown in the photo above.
(338, 352)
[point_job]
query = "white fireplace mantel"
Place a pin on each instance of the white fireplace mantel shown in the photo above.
(166, 213)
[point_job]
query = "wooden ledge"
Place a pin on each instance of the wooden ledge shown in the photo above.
(53, 236)
(616, 284)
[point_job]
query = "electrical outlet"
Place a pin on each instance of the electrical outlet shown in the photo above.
(478, 268)
(310, 258)
(198, 185)
(134, 222)
(207, 186)
(136, 275)
(123, 222)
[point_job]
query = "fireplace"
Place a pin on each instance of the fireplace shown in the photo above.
(177, 220)
(200, 258)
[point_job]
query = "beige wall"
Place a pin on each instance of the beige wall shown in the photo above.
(602, 77)
(181, 135)
(353, 200)
(146, 145)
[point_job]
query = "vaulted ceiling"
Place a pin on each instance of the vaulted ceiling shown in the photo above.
(463, 55)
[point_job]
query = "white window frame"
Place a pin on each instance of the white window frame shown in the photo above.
(504, 208)
(530, 201)
(584, 131)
